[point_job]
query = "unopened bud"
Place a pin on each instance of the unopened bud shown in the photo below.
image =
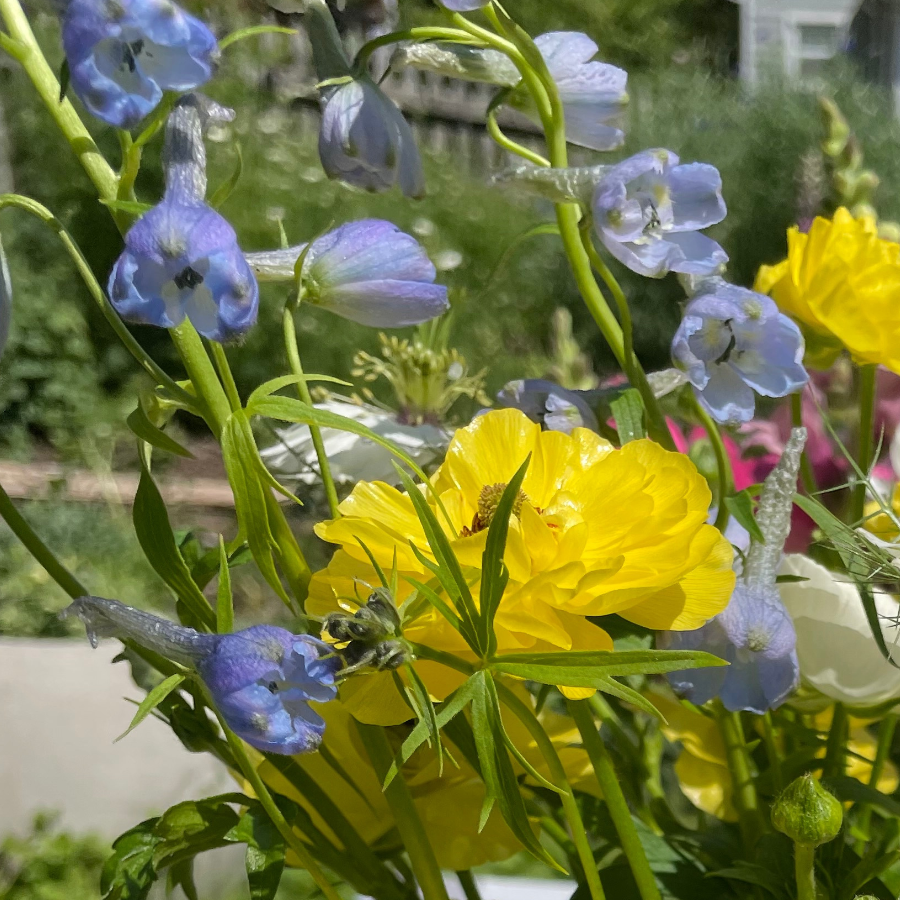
(807, 813)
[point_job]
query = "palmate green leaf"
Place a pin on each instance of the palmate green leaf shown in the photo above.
(141, 426)
(592, 668)
(283, 381)
(494, 574)
(628, 411)
(195, 826)
(151, 701)
(265, 852)
(450, 708)
(239, 454)
(154, 533)
(500, 781)
(740, 505)
(862, 560)
(129, 873)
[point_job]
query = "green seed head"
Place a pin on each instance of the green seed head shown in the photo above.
(807, 813)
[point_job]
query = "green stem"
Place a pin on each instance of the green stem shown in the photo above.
(885, 740)
(424, 33)
(746, 800)
(412, 832)
(99, 296)
(866, 429)
(507, 143)
(611, 789)
(202, 374)
(38, 549)
(772, 753)
(805, 871)
(293, 354)
(836, 747)
(274, 813)
(723, 465)
(225, 373)
(807, 475)
(467, 883)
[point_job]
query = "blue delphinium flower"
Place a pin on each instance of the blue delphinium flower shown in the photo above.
(463, 5)
(755, 633)
(365, 141)
(181, 258)
(123, 54)
(551, 406)
(732, 342)
(648, 211)
(262, 679)
(367, 271)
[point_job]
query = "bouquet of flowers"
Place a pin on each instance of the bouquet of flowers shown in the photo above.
(567, 627)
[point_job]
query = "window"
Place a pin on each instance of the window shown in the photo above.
(810, 42)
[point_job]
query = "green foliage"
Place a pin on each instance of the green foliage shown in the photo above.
(50, 864)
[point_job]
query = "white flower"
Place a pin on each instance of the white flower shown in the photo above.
(837, 652)
(353, 458)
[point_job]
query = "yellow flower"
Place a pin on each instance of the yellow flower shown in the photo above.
(448, 804)
(861, 749)
(841, 282)
(598, 530)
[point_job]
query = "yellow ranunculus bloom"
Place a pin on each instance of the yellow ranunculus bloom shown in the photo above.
(448, 804)
(841, 282)
(598, 530)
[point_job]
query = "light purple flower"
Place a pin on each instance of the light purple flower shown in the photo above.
(261, 679)
(756, 636)
(365, 141)
(648, 211)
(463, 5)
(123, 54)
(732, 342)
(551, 406)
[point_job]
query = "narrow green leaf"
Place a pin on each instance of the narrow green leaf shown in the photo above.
(182, 875)
(376, 566)
(141, 426)
(224, 598)
(426, 713)
(863, 872)
(283, 381)
(628, 411)
(623, 692)
(226, 189)
(132, 207)
(741, 508)
(239, 454)
(251, 31)
(436, 601)
(65, 76)
(849, 789)
(494, 576)
(154, 533)
(151, 701)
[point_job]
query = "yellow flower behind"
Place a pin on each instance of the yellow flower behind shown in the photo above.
(597, 531)
(841, 282)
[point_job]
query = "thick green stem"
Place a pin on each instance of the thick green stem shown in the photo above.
(805, 871)
(467, 882)
(866, 435)
(412, 832)
(293, 354)
(836, 747)
(202, 374)
(274, 813)
(807, 475)
(773, 753)
(723, 465)
(38, 549)
(225, 373)
(615, 799)
(746, 800)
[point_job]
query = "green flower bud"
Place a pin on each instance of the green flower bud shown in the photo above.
(807, 813)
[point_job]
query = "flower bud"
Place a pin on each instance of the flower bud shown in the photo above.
(807, 813)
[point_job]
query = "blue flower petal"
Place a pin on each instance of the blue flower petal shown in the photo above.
(726, 397)
(696, 191)
(692, 253)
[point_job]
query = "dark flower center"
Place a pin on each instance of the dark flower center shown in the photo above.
(130, 52)
(731, 344)
(188, 278)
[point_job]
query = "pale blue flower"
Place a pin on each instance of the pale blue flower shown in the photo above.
(365, 141)
(732, 342)
(648, 211)
(463, 5)
(123, 54)
(551, 406)
(756, 636)
(262, 679)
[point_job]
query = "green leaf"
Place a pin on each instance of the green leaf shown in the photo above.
(224, 598)
(129, 872)
(240, 454)
(435, 600)
(741, 508)
(751, 873)
(182, 875)
(623, 692)
(226, 189)
(862, 873)
(154, 533)
(426, 714)
(141, 425)
(494, 574)
(251, 31)
(849, 790)
(65, 76)
(132, 207)
(196, 826)
(276, 384)
(593, 668)
(151, 701)
(265, 852)
(628, 411)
